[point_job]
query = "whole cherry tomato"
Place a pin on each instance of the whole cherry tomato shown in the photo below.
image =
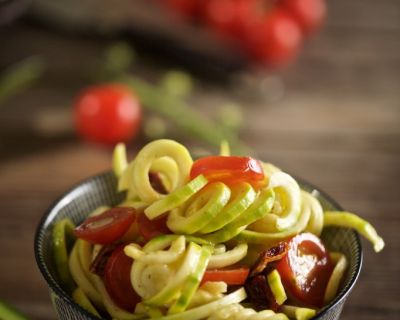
(107, 227)
(229, 169)
(275, 39)
(305, 270)
(108, 114)
(309, 13)
(117, 280)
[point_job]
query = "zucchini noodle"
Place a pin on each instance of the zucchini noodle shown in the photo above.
(340, 261)
(202, 207)
(228, 258)
(236, 311)
(298, 313)
(267, 238)
(350, 220)
(168, 277)
(226, 229)
(148, 155)
(255, 212)
(120, 162)
(81, 279)
(206, 310)
(209, 291)
(287, 204)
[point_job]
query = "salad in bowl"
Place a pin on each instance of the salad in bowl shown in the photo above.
(220, 237)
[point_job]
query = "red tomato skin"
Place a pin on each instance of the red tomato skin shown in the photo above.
(117, 280)
(306, 285)
(229, 276)
(274, 40)
(186, 9)
(107, 114)
(228, 169)
(152, 228)
(229, 18)
(107, 227)
(310, 14)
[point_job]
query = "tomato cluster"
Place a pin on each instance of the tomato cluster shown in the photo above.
(268, 31)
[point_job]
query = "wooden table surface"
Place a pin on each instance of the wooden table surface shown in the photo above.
(333, 118)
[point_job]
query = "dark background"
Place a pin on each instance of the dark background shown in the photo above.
(332, 118)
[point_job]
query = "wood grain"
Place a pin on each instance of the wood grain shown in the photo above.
(333, 118)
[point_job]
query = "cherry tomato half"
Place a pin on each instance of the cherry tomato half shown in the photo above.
(309, 13)
(117, 280)
(306, 268)
(229, 276)
(228, 169)
(152, 228)
(106, 227)
(107, 114)
(275, 39)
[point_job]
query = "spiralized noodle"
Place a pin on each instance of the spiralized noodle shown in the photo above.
(217, 226)
(308, 210)
(336, 277)
(238, 312)
(228, 258)
(154, 151)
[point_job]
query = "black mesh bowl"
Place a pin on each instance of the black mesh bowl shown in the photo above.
(101, 190)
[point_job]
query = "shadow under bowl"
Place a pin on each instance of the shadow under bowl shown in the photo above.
(101, 190)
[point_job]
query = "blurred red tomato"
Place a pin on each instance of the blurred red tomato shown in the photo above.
(275, 39)
(230, 17)
(309, 13)
(107, 114)
(185, 8)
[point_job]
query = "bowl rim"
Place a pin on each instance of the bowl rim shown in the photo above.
(52, 211)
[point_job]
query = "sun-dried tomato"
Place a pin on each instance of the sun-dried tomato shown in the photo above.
(271, 254)
(259, 293)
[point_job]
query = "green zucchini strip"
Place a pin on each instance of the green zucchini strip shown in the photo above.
(79, 276)
(115, 311)
(151, 152)
(336, 277)
(258, 209)
(62, 231)
(267, 238)
(119, 160)
(191, 283)
(350, 220)
(287, 208)
(81, 298)
(298, 313)
(173, 288)
(276, 286)
(163, 241)
(205, 310)
(201, 209)
(243, 195)
(175, 251)
(224, 149)
(175, 198)
(124, 181)
(316, 222)
(228, 258)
